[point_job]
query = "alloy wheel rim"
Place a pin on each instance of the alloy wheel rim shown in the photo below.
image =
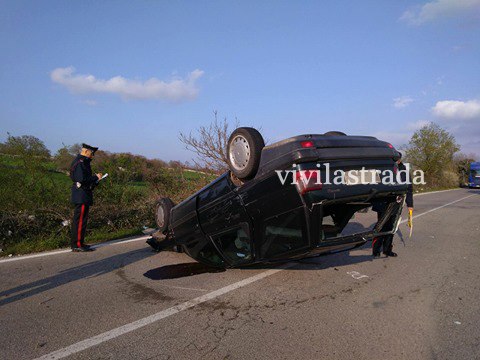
(160, 216)
(239, 152)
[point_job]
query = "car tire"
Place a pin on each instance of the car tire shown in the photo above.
(163, 207)
(335, 133)
(244, 149)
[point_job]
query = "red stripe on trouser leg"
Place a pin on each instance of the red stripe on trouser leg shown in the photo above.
(80, 223)
(374, 241)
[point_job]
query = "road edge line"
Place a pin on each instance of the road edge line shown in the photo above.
(63, 251)
(435, 192)
(124, 329)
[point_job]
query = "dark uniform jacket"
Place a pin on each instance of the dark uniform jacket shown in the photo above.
(409, 199)
(381, 206)
(81, 174)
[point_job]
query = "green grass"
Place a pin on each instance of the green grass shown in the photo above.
(61, 178)
(9, 160)
(13, 162)
(31, 246)
(51, 243)
(16, 161)
(26, 188)
(140, 184)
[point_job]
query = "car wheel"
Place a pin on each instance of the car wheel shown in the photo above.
(244, 149)
(162, 213)
(335, 133)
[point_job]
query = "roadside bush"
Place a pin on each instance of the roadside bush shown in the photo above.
(175, 184)
(64, 156)
(32, 199)
(462, 166)
(450, 179)
(25, 145)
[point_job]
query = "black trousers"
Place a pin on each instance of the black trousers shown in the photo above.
(79, 225)
(387, 240)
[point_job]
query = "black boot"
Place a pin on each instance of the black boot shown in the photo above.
(154, 244)
(83, 249)
(388, 246)
(390, 253)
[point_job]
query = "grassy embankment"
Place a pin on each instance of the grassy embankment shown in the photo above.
(34, 199)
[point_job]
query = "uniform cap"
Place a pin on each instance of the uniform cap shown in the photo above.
(92, 148)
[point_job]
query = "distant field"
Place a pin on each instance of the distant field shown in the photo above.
(11, 163)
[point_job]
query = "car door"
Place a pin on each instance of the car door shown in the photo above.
(279, 217)
(224, 220)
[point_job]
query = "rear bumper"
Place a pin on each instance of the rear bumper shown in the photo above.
(286, 159)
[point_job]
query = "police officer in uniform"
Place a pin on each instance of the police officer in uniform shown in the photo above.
(82, 195)
(387, 240)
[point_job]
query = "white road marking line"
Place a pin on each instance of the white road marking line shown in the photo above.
(120, 241)
(435, 192)
(356, 275)
(112, 334)
(437, 208)
(21, 257)
(56, 252)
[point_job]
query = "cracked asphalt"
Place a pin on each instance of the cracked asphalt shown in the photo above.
(421, 305)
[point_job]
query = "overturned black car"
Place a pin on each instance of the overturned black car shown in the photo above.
(281, 202)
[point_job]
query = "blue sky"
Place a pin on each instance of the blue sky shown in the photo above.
(129, 76)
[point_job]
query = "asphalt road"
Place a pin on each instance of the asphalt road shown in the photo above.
(125, 302)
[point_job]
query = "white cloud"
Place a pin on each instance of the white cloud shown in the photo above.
(460, 110)
(461, 119)
(402, 101)
(417, 125)
(176, 89)
(438, 9)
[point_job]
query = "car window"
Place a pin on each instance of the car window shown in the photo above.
(209, 254)
(213, 192)
(235, 244)
(284, 233)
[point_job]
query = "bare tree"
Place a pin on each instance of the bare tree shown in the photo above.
(209, 143)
